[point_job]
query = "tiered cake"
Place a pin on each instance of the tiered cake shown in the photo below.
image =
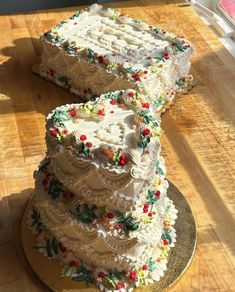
(102, 50)
(101, 204)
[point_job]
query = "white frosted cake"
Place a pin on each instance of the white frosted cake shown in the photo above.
(102, 50)
(101, 205)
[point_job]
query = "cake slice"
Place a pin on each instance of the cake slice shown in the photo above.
(102, 50)
(101, 202)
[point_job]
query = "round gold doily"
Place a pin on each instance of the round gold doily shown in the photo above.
(180, 255)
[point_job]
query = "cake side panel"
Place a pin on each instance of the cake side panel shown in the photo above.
(80, 77)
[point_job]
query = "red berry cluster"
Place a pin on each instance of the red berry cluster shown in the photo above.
(100, 59)
(113, 101)
(133, 275)
(146, 105)
(101, 112)
(72, 113)
(136, 77)
(67, 196)
(147, 132)
(123, 160)
(166, 55)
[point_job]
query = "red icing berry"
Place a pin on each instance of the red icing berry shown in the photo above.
(111, 112)
(118, 286)
(133, 275)
(101, 275)
(88, 144)
(145, 267)
(157, 194)
(110, 215)
(145, 71)
(146, 132)
(48, 175)
(136, 76)
(100, 112)
(73, 264)
(100, 59)
(72, 113)
(44, 182)
(146, 208)
(53, 132)
(62, 248)
(150, 214)
(165, 242)
(113, 101)
(146, 105)
(131, 94)
(65, 131)
(122, 14)
(71, 195)
(123, 157)
(122, 162)
(83, 137)
(166, 55)
(118, 226)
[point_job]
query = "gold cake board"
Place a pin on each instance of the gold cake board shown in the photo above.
(180, 255)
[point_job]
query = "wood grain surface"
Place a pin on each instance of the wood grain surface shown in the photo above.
(198, 143)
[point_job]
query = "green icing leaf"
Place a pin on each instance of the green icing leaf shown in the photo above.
(75, 15)
(128, 223)
(109, 281)
(64, 80)
(151, 264)
(166, 236)
(86, 213)
(55, 188)
(143, 141)
(82, 274)
(59, 117)
(132, 71)
(91, 56)
(158, 168)
(36, 221)
(43, 167)
(151, 198)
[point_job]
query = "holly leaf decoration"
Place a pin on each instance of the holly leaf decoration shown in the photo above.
(151, 198)
(128, 223)
(43, 167)
(36, 221)
(55, 188)
(109, 281)
(158, 168)
(82, 274)
(151, 264)
(143, 141)
(91, 56)
(86, 213)
(64, 80)
(59, 116)
(166, 236)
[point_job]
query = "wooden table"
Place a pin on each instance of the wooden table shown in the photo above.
(198, 143)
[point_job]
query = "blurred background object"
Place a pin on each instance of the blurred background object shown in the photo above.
(219, 15)
(14, 6)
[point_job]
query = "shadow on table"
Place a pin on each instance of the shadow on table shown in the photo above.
(16, 273)
(21, 89)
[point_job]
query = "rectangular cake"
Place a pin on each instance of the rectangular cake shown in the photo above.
(102, 50)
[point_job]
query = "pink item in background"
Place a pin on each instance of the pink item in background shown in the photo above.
(228, 7)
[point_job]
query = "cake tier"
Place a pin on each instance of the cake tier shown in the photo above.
(97, 235)
(148, 267)
(108, 146)
(101, 50)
